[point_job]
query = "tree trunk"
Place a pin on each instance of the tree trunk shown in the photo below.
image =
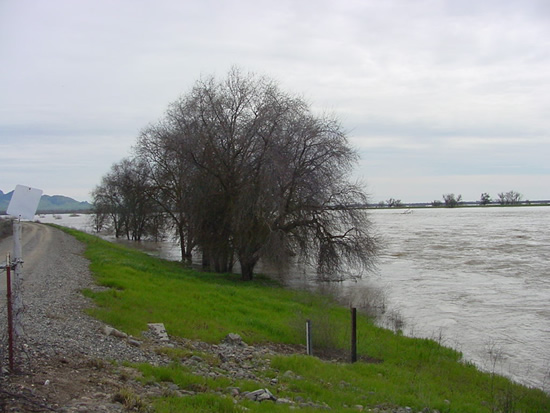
(205, 259)
(186, 256)
(247, 272)
(247, 267)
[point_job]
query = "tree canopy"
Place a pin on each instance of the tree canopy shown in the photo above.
(245, 171)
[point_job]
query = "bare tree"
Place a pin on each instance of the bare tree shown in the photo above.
(509, 198)
(108, 205)
(485, 199)
(394, 203)
(122, 198)
(163, 152)
(451, 201)
(260, 177)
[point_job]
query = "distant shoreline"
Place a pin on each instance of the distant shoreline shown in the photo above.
(57, 211)
(466, 204)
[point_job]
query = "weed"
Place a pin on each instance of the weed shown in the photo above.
(175, 353)
(395, 321)
(96, 363)
(370, 300)
(131, 401)
(124, 376)
(326, 331)
(546, 380)
(203, 403)
(495, 355)
(6, 225)
(439, 337)
(507, 399)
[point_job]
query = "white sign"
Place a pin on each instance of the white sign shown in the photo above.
(24, 202)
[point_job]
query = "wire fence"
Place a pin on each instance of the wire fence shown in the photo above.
(3, 320)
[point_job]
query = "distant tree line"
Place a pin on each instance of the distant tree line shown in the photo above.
(240, 171)
(451, 200)
(509, 198)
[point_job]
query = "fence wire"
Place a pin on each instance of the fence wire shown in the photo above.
(3, 319)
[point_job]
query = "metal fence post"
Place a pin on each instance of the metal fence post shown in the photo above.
(353, 335)
(308, 338)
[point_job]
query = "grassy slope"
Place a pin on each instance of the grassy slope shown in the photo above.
(412, 372)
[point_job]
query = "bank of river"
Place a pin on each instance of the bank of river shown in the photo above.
(476, 278)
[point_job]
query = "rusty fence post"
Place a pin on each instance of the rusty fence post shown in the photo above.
(308, 338)
(353, 334)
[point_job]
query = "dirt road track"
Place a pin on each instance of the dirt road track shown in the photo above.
(36, 239)
(37, 242)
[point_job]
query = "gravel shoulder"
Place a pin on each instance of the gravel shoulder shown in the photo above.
(64, 361)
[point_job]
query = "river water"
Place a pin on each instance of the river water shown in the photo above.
(476, 279)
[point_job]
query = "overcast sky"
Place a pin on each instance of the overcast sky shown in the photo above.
(437, 96)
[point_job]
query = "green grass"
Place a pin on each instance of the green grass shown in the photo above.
(408, 372)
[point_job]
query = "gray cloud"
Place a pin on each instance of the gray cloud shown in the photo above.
(428, 89)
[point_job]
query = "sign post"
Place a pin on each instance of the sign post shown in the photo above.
(23, 204)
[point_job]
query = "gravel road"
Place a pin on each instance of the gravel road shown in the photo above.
(61, 345)
(54, 273)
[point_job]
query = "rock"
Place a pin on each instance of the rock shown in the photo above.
(110, 331)
(291, 375)
(234, 340)
(118, 333)
(234, 391)
(159, 331)
(266, 395)
(315, 406)
(134, 342)
(260, 395)
(173, 386)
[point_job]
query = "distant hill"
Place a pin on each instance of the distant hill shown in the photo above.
(49, 204)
